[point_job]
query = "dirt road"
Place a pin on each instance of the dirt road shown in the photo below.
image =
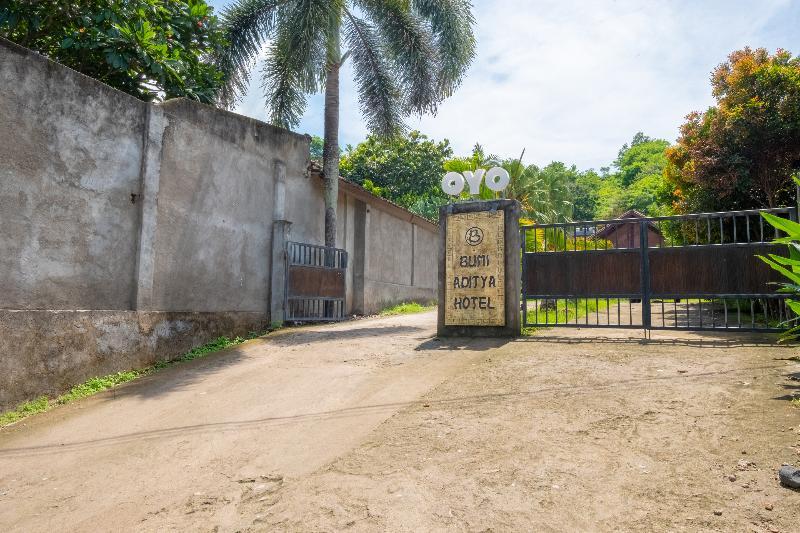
(375, 425)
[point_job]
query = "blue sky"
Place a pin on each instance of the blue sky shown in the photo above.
(572, 80)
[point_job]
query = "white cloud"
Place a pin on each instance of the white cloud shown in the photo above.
(573, 80)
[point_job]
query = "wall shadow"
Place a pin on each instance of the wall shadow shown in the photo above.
(184, 374)
(465, 401)
(178, 375)
(702, 341)
(311, 336)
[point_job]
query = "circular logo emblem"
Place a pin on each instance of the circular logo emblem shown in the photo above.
(474, 236)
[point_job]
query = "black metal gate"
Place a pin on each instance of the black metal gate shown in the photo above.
(316, 283)
(687, 272)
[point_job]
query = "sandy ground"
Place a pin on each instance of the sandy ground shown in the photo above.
(376, 425)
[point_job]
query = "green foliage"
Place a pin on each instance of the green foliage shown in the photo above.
(151, 49)
(586, 195)
(25, 410)
(638, 183)
(789, 267)
(548, 196)
(742, 152)
(407, 56)
(407, 309)
(567, 311)
(559, 193)
(99, 384)
(406, 169)
(317, 145)
(478, 160)
(543, 193)
(644, 157)
(558, 240)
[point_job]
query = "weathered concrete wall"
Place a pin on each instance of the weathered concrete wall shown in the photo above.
(47, 352)
(215, 210)
(393, 253)
(70, 156)
(130, 232)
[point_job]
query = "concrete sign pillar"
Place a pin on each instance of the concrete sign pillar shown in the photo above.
(479, 269)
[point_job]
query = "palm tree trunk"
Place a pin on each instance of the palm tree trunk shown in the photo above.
(330, 151)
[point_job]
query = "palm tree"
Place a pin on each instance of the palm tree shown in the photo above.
(407, 55)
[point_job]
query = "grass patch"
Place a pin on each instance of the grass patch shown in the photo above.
(406, 309)
(99, 384)
(565, 311)
(796, 402)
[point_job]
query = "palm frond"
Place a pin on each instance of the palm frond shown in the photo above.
(410, 45)
(452, 24)
(247, 25)
(377, 92)
(296, 59)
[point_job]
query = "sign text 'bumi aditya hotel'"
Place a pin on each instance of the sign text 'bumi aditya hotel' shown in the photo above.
(475, 269)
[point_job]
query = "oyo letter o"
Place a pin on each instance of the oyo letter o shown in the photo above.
(497, 179)
(453, 183)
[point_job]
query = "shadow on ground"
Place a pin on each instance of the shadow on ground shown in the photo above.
(456, 401)
(700, 339)
(303, 336)
(461, 343)
(184, 374)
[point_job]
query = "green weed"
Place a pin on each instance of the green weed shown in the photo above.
(406, 309)
(567, 311)
(26, 409)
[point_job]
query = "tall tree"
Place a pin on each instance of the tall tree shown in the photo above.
(408, 55)
(406, 169)
(742, 152)
(152, 49)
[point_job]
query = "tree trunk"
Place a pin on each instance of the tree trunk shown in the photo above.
(330, 151)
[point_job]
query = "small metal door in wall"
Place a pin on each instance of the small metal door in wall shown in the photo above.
(316, 283)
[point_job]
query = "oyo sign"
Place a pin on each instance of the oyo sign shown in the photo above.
(496, 179)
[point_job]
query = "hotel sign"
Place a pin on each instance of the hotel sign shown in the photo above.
(475, 269)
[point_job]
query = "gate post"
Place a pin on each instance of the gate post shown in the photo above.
(479, 269)
(645, 274)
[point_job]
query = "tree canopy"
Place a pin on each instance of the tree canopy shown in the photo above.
(742, 152)
(635, 180)
(407, 57)
(152, 49)
(406, 169)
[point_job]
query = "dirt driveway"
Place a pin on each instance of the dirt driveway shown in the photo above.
(376, 425)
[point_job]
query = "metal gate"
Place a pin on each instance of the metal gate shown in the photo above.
(687, 272)
(316, 283)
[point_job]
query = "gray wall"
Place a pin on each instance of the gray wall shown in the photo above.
(130, 231)
(393, 253)
(70, 157)
(215, 209)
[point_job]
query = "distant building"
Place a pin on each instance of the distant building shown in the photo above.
(626, 234)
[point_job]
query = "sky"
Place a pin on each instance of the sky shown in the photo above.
(573, 80)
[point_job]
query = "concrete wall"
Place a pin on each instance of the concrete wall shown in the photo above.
(393, 253)
(215, 209)
(130, 232)
(70, 157)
